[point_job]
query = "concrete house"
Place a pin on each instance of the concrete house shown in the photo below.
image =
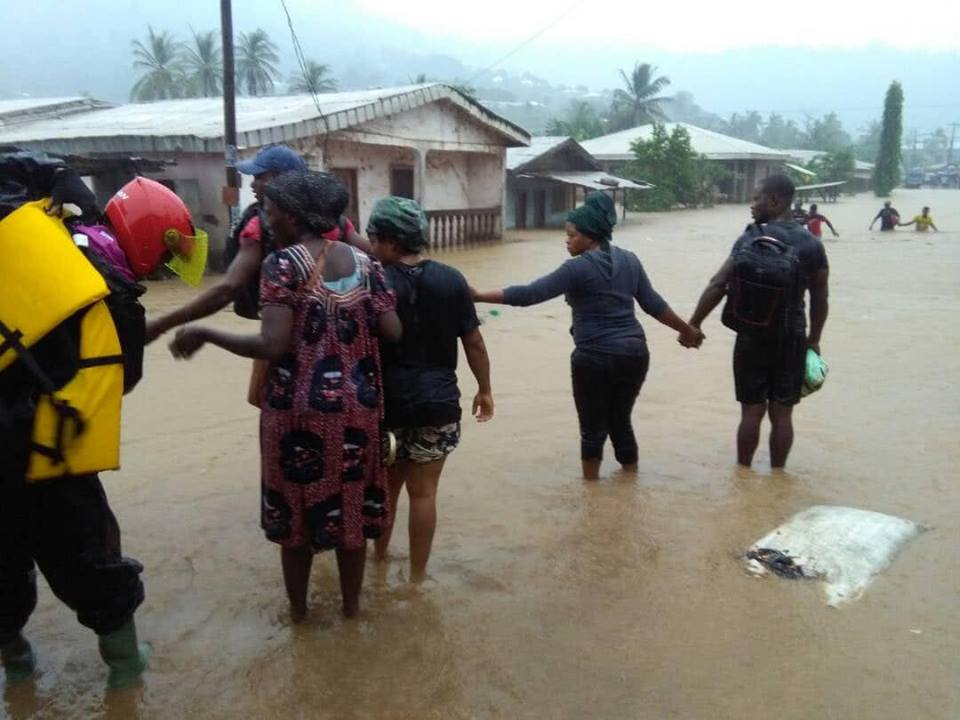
(429, 142)
(746, 162)
(548, 179)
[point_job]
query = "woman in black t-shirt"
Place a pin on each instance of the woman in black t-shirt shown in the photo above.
(421, 397)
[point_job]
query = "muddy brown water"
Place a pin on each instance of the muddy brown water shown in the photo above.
(552, 598)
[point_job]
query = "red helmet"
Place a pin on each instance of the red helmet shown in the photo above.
(150, 222)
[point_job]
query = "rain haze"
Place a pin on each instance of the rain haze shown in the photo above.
(686, 274)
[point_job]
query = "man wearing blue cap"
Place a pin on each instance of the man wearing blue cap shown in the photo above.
(249, 243)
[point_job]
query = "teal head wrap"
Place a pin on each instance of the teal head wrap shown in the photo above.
(596, 218)
(401, 220)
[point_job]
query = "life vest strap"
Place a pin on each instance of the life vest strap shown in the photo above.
(11, 339)
(99, 361)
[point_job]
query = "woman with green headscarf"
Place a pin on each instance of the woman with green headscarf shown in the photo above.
(601, 282)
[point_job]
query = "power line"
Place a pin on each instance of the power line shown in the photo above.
(301, 59)
(529, 40)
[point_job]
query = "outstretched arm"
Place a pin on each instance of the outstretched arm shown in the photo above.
(832, 228)
(561, 280)
(712, 294)
(479, 361)
(244, 268)
(273, 340)
(654, 305)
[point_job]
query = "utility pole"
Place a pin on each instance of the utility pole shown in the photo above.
(953, 135)
(231, 191)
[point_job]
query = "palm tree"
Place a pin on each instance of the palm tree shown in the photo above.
(639, 103)
(316, 79)
(204, 65)
(256, 58)
(162, 65)
(581, 123)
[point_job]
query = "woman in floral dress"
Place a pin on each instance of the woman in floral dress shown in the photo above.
(324, 304)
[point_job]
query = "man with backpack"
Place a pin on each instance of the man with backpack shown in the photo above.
(249, 243)
(774, 263)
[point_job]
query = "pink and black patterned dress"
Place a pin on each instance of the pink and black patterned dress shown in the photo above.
(323, 480)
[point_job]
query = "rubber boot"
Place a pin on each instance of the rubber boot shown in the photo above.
(18, 659)
(126, 657)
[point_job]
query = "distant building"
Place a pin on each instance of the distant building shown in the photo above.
(860, 181)
(547, 179)
(429, 142)
(747, 162)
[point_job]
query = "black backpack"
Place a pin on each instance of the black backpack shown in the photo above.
(764, 292)
(247, 301)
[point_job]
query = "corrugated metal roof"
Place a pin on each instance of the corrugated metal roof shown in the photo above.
(808, 156)
(20, 111)
(595, 180)
(196, 125)
(539, 145)
(714, 145)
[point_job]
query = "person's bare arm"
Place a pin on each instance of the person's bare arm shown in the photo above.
(819, 307)
(389, 327)
(935, 228)
(271, 343)
(479, 361)
(359, 242)
(832, 228)
(244, 268)
(713, 294)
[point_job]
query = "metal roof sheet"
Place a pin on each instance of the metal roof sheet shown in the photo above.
(595, 180)
(714, 145)
(196, 125)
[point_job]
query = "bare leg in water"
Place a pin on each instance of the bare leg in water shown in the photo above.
(591, 469)
(296, 576)
(748, 434)
(396, 477)
(421, 480)
(351, 564)
(781, 433)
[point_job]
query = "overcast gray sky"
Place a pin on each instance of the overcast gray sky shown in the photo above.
(819, 56)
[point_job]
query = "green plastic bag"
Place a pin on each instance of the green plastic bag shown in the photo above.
(815, 373)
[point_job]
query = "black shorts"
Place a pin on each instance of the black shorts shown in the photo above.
(766, 370)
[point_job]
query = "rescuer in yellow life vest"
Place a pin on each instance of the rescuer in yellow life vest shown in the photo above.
(71, 343)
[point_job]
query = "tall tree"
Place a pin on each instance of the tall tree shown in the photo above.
(256, 62)
(827, 134)
(638, 103)
(580, 123)
(203, 65)
(746, 126)
(886, 171)
(781, 133)
(316, 79)
(868, 144)
(160, 60)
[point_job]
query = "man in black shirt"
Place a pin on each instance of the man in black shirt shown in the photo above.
(421, 397)
(888, 217)
(769, 372)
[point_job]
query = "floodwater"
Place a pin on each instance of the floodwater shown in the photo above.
(552, 597)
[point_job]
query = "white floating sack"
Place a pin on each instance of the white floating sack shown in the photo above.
(842, 546)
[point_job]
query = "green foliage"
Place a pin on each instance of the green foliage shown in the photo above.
(827, 134)
(781, 133)
(203, 65)
(638, 103)
(886, 172)
(834, 166)
(161, 61)
(746, 126)
(256, 62)
(316, 79)
(867, 146)
(681, 176)
(581, 123)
